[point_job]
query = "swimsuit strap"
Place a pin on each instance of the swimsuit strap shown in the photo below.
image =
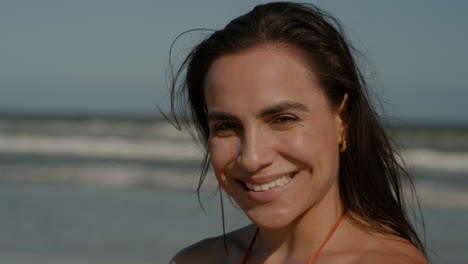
(326, 239)
(247, 254)
(332, 231)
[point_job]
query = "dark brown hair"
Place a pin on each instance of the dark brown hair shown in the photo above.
(371, 175)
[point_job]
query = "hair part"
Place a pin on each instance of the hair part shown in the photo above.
(371, 174)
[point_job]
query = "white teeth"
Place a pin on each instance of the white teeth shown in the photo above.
(265, 187)
(279, 182)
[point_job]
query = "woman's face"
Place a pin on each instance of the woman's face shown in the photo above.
(274, 139)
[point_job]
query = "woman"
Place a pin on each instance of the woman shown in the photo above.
(283, 112)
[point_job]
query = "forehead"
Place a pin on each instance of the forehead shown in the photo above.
(260, 76)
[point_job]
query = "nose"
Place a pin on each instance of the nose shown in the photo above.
(256, 151)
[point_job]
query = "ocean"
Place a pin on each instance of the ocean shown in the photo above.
(110, 190)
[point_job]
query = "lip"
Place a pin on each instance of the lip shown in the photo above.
(266, 178)
(269, 195)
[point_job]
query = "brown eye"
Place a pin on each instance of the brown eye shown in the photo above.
(283, 119)
(224, 128)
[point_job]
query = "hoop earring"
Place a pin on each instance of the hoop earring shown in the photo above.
(343, 146)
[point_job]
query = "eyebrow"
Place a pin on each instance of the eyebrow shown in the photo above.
(280, 107)
(220, 115)
(270, 110)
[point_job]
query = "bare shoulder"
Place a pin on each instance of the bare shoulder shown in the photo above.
(361, 244)
(393, 250)
(205, 251)
(365, 246)
(212, 250)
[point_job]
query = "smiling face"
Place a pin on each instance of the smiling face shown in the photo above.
(274, 138)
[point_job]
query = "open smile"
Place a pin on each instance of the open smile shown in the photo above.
(267, 189)
(262, 187)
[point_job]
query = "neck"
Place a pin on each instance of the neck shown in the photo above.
(304, 235)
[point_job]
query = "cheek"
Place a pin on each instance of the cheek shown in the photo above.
(302, 143)
(223, 152)
(312, 147)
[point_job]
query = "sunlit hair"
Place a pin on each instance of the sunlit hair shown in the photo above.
(371, 175)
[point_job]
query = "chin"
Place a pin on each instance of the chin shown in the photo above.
(273, 218)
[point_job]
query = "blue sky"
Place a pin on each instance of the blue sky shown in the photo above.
(110, 56)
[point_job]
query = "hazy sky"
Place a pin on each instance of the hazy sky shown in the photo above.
(110, 56)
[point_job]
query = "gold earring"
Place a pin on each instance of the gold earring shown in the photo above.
(343, 146)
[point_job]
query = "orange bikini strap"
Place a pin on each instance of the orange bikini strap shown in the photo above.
(332, 231)
(326, 239)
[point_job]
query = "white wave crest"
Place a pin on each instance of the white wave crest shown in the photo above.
(436, 160)
(161, 148)
(100, 147)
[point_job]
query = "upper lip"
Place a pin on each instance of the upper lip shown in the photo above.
(262, 179)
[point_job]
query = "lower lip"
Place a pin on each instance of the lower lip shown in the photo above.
(269, 195)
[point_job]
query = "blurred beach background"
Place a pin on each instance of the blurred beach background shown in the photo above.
(91, 173)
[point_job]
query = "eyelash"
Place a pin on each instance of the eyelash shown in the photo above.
(224, 126)
(283, 119)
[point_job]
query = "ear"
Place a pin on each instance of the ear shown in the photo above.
(342, 118)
